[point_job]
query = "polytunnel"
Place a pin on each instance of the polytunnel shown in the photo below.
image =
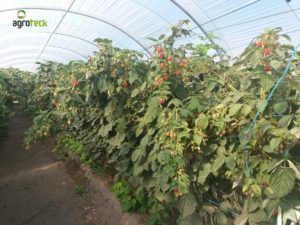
(157, 112)
(72, 26)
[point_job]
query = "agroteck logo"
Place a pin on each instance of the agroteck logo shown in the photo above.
(21, 22)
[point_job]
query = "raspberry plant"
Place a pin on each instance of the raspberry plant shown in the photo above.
(173, 125)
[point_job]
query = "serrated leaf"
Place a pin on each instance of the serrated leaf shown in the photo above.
(198, 139)
(218, 163)
(241, 220)
(104, 130)
(180, 92)
(266, 82)
(135, 92)
(296, 132)
(280, 107)
(221, 218)
(276, 64)
(211, 85)
(282, 181)
(203, 173)
(234, 109)
(187, 205)
(75, 97)
(251, 205)
(202, 121)
(246, 109)
(152, 111)
(102, 85)
(230, 163)
(194, 103)
(293, 167)
(274, 143)
(59, 113)
(117, 139)
(285, 121)
(162, 36)
(137, 154)
(132, 77)
(183, 134)
(286, 37)
(163, 157)
(193, 219)
(257, 217)
(268, 149)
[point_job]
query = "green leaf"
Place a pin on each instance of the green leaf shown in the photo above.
(234, 109)
(280, 107)
(162, 36)
(285, 121)
(286, 37)
(221, 218)
(268, 149)
(137, 154)
(186, 113)
(202, 121)
(194, 104)
(211, 86)
(296, 132)
(274, 143)
(152, 111)
(59, 113)
(276, 64)
(204, 173)
(282, 181)
(230, 163)
(132, 77)
(135, 92)
(102, 85)
(257, 217)
(266, 82)
(246, 109)
(180, 92)
(75, 97)
(183, 134)
(241, 220)
(117, 139)
(293, 167)
(218, 163)
(193, 219)
(187, 205)
(163, 157)
(254, 59)
(104, 130)
(250, 205)
(198, 139)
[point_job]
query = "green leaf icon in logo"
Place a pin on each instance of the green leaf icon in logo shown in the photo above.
(21, 14)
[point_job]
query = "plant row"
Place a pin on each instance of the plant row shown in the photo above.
(175, 126)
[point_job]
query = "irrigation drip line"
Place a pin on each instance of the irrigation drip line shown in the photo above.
(265, 103)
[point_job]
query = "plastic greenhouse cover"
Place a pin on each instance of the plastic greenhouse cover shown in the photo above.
(71, 26)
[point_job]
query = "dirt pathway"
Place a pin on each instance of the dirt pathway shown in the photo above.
(34, 188)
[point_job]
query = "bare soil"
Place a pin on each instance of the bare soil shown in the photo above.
(35, 189)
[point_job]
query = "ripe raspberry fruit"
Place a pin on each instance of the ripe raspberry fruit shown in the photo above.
(267, 68)
(161, 55)
(267, 51)
(158, 49)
